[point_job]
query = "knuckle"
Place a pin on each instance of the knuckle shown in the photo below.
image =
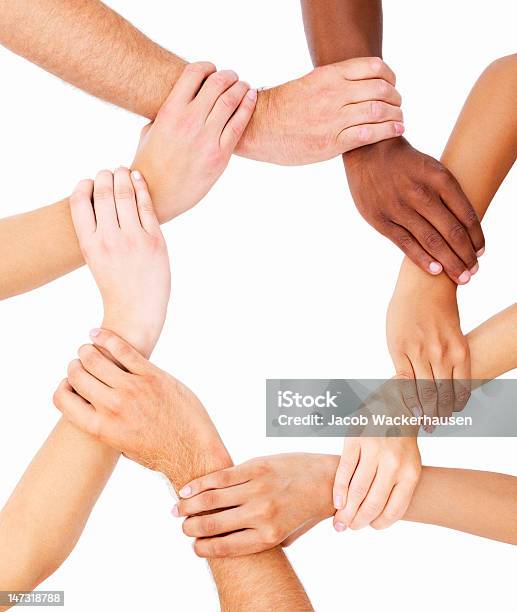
(433, 241)
(199, 67)
(358, 491)
(210, 499)
(471, 218)
(375, 109)
(217, 549)
(457, 233)
(270, 535)
(124, 193)
(209, 525)
(88, 355)
(428, 393)
(102, 193)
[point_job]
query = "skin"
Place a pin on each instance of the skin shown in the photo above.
(185, 154)
(424, 335)
(421, 206)
(145, 413)
(295, 123)
(272, 500)
(117, 233)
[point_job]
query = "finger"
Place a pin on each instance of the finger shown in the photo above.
(372, 111)
(457, 202)
(212, 90)
(430, 207)
(216, 499)
(125, 201)
(406, 384)
(186, 87)
(462, 383)
(120, 350)
(426, 386)
(361, 68)
(397, 504)
(358, 490)
(76, 409)
(104, 201)
(235, 127)
(245, 542)
(442, 373)
(433, 242)
(372, 89)
(361, 135)
(145, 207)
(101, 367)
(407, 243)
(217, 523)
(346, 468)
(376, 499)
(228, 477)
(81, 209)
(225, 105)
(87, 386)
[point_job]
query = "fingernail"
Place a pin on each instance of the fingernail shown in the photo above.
(464, 278)
(338, 502)
(186, 491)
(480, 252)
(339, 526)
(435, 267)
(399, 128)
(474, 269)
(175, 511)
(417, 411)
(252, 94)
(136, 175)
(94, 333)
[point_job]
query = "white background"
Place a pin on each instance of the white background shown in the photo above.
(269, 280)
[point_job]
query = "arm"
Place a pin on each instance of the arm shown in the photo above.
(155, 420)
(425, 339)
(172, 156)
(39, 531)
(128, 69)
(409, 209)
(278, 498)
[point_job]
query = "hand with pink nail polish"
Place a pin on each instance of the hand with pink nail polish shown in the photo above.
(188, 146)
(259, 504)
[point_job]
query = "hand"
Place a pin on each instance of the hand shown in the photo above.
(136, 408)
(122, 243)
(187, 148)
(261, 502)
(375, 481)
(331, 110)
(415, 201)
(426, 344)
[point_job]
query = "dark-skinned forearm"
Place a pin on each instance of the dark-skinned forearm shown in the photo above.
(338, 30)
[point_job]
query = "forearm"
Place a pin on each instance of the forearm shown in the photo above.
(38, 247)
(338, 30)
(255, 583)
(480, 152)
(123, 66)
(47, 512)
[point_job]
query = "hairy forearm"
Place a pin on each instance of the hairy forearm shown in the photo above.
(47, 512)
(87, 44)
(338, 30)
(255, 583)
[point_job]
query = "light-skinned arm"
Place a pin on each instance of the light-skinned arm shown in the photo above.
(189, 144)
(295, 123)
(272, 500)
(421, 207)
(155, 420)
(39, 531)
(423, 324)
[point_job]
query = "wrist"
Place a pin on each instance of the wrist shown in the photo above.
(253, 143)
(412, 279)
(325, 467)
(141, 336)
